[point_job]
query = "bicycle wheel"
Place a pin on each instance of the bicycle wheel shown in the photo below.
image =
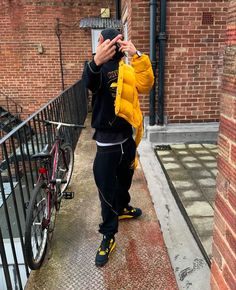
(65, 165)
(36, 228)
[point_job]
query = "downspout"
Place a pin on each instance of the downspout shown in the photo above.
(152, 96)
(58, 34)
(161, 65)
(118, 12)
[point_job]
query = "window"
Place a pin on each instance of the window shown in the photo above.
(95, 35)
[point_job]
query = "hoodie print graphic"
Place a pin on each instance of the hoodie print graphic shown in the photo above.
(112, 78)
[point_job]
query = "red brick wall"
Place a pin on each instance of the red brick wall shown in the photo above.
(32, 78)
(224, 239)
(194, 55)
(194, 60)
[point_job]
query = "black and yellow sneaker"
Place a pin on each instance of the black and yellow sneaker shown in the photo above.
(107, 246)
(130, 212)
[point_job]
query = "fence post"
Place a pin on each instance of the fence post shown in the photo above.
(4, 263)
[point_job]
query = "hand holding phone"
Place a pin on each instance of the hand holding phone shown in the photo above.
(127, 47)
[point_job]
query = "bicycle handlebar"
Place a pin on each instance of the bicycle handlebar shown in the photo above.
(62, 124)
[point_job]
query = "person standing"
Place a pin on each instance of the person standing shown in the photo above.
(115, 114)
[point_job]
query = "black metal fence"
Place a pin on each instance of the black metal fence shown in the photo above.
(10, 104)
(18, 175)
(10, 114)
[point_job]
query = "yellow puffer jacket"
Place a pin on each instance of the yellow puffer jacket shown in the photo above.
(132, 80)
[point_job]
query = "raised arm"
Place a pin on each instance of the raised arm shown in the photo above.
(104, 52)
(143, 73)
(142, 67)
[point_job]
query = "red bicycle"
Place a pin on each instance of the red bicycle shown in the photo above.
(54, 175)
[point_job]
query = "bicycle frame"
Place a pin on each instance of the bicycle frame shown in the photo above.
(44, 174)
(43, 170)
(54, 174)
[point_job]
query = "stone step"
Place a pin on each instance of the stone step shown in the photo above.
(182, 133)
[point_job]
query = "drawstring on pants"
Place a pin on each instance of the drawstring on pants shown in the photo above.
(115, 212)
(122, 152)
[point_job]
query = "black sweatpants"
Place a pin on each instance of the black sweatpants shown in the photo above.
(113, 176)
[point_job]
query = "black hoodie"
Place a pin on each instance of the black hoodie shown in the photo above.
(109, 127)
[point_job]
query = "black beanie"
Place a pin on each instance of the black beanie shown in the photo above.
(109, 33)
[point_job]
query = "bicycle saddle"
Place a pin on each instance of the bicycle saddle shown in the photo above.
(44, 154)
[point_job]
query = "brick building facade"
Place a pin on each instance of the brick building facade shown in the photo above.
(196, 32)
(224, 239)
(194, 55)
(29, 47)
(30, 65)
(200, 58)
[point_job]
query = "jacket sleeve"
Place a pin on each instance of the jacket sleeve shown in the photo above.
(143, 73)
(92, 76)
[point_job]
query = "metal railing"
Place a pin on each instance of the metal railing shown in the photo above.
(10, 111)
(10, 105)
(18, 175)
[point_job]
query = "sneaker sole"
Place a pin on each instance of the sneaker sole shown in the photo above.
(122, 217)
(102, 264)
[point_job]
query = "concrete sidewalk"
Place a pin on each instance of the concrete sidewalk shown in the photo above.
(140, 261)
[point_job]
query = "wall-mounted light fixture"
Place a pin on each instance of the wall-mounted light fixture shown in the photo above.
(40, 48)
(105, 13)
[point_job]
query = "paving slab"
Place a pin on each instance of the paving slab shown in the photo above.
(200, 173)
(207, 244)
(198, 208)
(191, 194)
(206, 181)
(203, 225)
